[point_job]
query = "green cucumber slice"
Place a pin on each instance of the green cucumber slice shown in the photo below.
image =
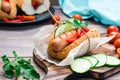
(80, 65)
(112, 61)
(101, 58)
(93, 60)
(63, 28)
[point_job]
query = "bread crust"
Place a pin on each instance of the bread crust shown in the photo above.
(64, 52)
(12, 13)
(19, 3)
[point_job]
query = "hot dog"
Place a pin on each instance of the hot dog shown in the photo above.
(59, 48)
(7, 9)
(31, 7)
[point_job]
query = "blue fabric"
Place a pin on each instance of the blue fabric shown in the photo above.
(105, 11)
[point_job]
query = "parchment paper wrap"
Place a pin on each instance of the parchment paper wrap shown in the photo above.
(41, 43)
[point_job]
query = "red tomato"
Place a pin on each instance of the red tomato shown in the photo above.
(7, 0)
(77, 16)
(85, 29)
(118, 52)
(117, 35)
(57, 17)
(117, 43)
(112, 29)
(79, 31)
(71, 40)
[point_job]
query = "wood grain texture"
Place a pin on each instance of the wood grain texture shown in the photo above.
(54, 72)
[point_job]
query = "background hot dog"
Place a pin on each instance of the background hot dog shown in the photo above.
(8, 9)
(31, 7)
(6, 6)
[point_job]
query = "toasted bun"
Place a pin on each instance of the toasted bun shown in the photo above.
(12, 13)
(26, 6)
(64, 52)
(19, 3)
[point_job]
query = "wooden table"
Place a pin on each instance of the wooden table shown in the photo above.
(20, 40)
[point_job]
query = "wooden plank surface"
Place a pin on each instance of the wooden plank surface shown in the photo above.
(54, 72)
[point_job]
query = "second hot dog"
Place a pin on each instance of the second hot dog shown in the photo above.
(6, 6)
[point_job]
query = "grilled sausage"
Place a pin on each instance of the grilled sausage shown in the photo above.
(60, 42)
(40, 2)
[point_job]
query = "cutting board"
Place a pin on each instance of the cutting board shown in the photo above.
(54, 72)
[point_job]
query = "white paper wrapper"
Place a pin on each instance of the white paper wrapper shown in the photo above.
(41, 43)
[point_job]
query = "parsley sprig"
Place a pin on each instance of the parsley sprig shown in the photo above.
(18, 66)
(78, 23)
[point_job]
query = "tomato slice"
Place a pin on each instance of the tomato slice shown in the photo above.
(79, 31)
(71, 40)
(12, 21)
(85, 29)
(35, 4)
(7, 0)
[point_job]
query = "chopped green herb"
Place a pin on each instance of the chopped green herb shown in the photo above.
(15, 67)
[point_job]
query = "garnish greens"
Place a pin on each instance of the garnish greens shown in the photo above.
(18, 66)
(77, 23)
(69, 25)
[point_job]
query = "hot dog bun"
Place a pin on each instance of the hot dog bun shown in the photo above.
(62, 54)
(26, 6)
(12, 13)
(20, 2)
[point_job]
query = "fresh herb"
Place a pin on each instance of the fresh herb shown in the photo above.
(18, 66)
(77, 23)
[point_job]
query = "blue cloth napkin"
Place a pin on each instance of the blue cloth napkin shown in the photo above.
(104, 11)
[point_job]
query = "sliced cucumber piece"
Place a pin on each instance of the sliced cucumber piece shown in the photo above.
(93, 60)
(63, 28)
(112, 61)
(101, 58)
(80, 65)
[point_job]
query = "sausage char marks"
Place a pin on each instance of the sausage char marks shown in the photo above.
(60, 42)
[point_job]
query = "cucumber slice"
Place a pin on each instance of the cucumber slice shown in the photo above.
(63, 28)
(112, 61)
(80, 65)
(101, 58)
(93, 60)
